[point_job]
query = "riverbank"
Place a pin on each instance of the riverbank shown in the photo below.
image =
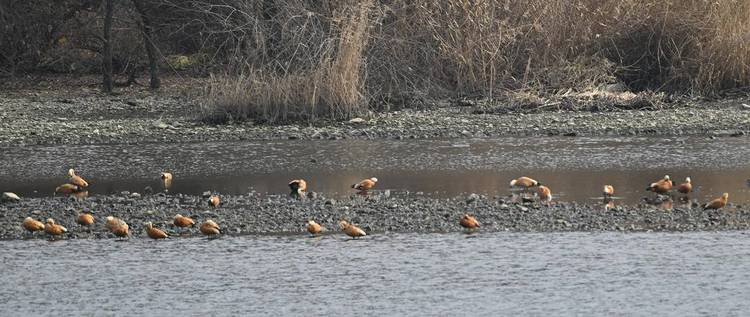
(377, 214)
(66, 111)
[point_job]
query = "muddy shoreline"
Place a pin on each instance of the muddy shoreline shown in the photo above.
(48, 114)
(377, 214)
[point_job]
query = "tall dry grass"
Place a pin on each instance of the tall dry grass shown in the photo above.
(328, 83)
(297, 59)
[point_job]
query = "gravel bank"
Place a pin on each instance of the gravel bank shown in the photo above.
(49, 115)
(379, 213)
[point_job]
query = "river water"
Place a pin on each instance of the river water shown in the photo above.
(483, 274)
(574, 168)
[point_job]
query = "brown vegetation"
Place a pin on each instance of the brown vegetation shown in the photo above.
(281, 60)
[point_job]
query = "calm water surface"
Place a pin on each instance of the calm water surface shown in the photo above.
(574, 168)
(485, 274)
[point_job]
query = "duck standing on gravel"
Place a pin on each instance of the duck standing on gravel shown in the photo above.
(365, 184)
(155, 233)
(32, 225)
(686, 187)
(85, 219)
(214, 200)
(717, 203)
(182, 221)
(166, 178)
(469, 222)
(351, 230)
(314, 228)
(9, 197)
(118, 227)
(210, 228)
(77, 180)
(53, 229)
(661, 186)
(298, 188)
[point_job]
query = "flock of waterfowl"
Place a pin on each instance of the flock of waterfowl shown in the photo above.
(298, 187)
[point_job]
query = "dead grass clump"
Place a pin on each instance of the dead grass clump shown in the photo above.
(305, 59)
(723, 50)
(332, 88)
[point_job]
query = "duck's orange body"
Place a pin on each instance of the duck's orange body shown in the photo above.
(182, 221)
(686, 187)
(524, 182)
(661, 186)
(545, 194)
(81, 194)
(718, 203)
(77, 180)
(214, 200)
(351, 230)
(210, 228)
(608, 191)
(112, 222)
(314, 227)
(118, 227)
(54, 229)
(469, 222)
(155, 233)
(85, 219)
(32, 225)
(67, 189)
(366, 184)
(121, 231)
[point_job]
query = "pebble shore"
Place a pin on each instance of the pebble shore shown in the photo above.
(377, 213)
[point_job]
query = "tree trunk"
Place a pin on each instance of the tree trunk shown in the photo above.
(148, 42)
(107, 62)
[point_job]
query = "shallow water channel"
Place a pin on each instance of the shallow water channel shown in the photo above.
(574, 167)
(484, 274)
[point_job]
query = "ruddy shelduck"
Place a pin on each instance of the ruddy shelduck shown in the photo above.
(686, 187)
(8, 196)
(32, 225)
(718, 203)
(351, 230)
(298, 187)
(54, 229)
(661, 186)
(118, 227)
(210, 228)
(76, 179)
(608, 191)
(214, 200)
(524, 182)
(609, 204)
(365, 184)
(155, 233)
(182, 221)
(111, 222)
(545, 194)
(469, 222)
(85, 219)
(166, 178)
(67, 189)
(81, 194)
(314, 227)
